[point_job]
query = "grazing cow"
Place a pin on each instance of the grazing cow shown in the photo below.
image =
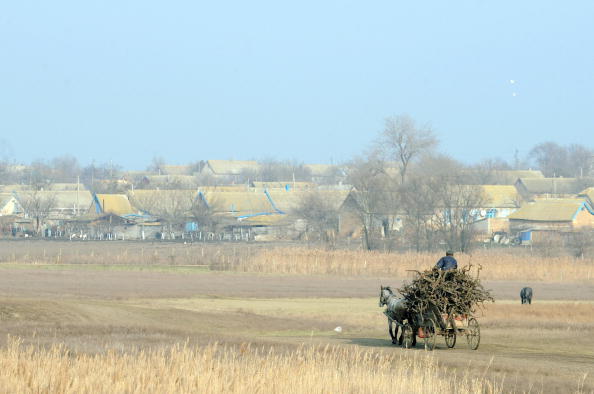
(526, 295)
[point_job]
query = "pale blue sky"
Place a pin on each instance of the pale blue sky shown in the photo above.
(308, 80)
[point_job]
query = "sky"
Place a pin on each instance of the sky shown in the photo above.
(310, 81)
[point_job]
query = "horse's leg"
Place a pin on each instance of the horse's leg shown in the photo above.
(392, 334)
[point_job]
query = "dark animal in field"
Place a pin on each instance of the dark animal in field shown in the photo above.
(396, 312)
(526, 295)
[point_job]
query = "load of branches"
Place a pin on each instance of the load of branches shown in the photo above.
(454, 291)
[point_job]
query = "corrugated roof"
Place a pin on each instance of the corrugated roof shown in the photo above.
(232, 167)
(551, 185)
(288, 201)
(239, 203)
(115, 203)
(550, 210)
(500, 196)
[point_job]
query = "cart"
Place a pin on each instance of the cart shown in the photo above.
(429, 325)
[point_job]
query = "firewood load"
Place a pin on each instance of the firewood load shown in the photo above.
(452, 292)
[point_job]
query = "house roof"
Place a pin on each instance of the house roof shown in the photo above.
(169, 169)
(66, 187)
(321, 169)
(12, 188)
(115, 203)
(232, 167)
(225, 188)
(67, 199)
(551, 210)
(500, 196)
(180, 181)
(239, 203)
(588, 193)
(159, 200)
(509, 177)
(284, 185)
(287, 201)
(551, 185)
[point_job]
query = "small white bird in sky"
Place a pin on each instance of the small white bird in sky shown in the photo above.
(512, 81)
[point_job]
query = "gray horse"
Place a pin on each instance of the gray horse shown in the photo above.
(396, 312)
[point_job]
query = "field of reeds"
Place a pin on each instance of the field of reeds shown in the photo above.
(504, 264)
(225, 369)
(494, 265)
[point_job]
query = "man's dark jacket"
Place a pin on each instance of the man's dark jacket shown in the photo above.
(447, 263)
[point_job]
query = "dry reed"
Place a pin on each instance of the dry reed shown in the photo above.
(216, 369)
(495, 266)
(512, 264)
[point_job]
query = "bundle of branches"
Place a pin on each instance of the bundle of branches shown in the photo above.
(453, 291)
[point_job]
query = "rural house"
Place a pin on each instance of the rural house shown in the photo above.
(532, 188)
(553, 215)
(229, 169)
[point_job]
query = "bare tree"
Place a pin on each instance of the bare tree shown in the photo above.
(581, 160)
(171, 206)
(373, 193)
(419, 206)
(568, 161)
(581, 243)
(277, 171)
(157, 165)
(65, 168)
(403, 141)
(320, 215)
(456, 210)
(204, 213)
(38, 206)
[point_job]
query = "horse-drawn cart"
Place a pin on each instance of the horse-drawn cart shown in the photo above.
(428, 325)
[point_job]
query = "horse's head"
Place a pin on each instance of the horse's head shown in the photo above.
(385, 292)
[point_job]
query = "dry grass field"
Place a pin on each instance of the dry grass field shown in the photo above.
(224, 369)
(234, 324)
(500, 264)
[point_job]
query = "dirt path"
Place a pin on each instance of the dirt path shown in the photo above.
(42, 282)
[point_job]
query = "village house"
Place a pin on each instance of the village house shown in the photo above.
(532, 188)
(231, 170)
(559, 215)
(499, 201)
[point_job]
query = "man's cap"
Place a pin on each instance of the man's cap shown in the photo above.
(449, 253)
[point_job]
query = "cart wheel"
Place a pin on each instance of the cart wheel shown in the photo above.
(473, 334)
(450, 333)
(408, 336)
(450, 337)
(429, 330)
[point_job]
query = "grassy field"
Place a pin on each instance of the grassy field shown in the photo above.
(123, 326)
